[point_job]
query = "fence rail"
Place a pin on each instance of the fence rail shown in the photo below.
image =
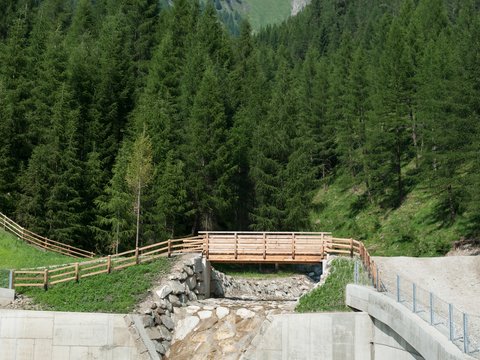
(45, 278)
(42, 242)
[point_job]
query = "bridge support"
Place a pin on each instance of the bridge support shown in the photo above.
(203, 268)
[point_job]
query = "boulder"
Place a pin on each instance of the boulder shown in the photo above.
(164, 291)
(167, 322)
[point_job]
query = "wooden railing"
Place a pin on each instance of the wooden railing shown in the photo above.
(231, 247)
(42, 242)
(74, 272)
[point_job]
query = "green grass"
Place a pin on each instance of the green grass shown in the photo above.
(331, 295)
(266, 12)
(410, 230)
(117, 292)
(16, 254)
(266, 271)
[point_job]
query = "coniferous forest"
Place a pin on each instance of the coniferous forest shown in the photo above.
(114, 108)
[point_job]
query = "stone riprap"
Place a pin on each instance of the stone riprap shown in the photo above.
(220, 328)
(181, 321)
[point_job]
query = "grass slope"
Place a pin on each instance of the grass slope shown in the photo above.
(331, 295)
(117, 292)
(410, 230)
(16, 254)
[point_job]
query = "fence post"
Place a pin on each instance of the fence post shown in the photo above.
(414, 296)
(431, 310)
(77, 272)
(398, 288)
(169, 251)
(465, 333)
(351, 248)
(109, 264)
(10, 279)
(293, 246)
(450, 322)
(45, 279)
(236, 246)
(264, 246)
(137, 258)
(355, 272)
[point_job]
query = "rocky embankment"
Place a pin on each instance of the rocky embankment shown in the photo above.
(178, 320)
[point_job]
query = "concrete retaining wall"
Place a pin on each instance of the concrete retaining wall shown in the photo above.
(42, 335)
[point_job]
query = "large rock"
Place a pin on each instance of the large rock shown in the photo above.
(164, 291)
(188, 270)
(222, 312)
(185, 326)
(168, 322)
(174, 300)
(205, 314)
(191, 282)
(245, 313)
(177, 288)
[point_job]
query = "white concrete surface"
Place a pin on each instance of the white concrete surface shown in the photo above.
(314, 336)
(396, 320)
(6, 296)
(42, 335)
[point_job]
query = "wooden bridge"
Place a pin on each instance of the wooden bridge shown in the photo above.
(274, 247)
(224, 247)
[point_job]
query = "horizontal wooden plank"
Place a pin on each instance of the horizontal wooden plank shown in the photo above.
(124, 266)
(32, 285)
(61, 275)
(92, 273)
(62, 280)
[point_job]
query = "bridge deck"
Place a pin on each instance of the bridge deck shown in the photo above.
(273, 247)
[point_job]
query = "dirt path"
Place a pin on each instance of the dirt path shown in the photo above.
(454, 279)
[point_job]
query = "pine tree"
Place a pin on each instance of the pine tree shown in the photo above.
(207, 154)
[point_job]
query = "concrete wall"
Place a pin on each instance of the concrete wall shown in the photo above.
(314, 336)
(402, 326)
(6, 296)
(41, 335)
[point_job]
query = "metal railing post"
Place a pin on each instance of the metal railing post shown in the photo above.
(355, 272)
(10, 279)
(450, 322)
(465, 333)
(431, 309)
(398, 288)
(414, 297)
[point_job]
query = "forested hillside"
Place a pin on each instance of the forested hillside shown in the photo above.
(113, 108)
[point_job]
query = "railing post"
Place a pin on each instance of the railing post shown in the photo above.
(432, 314)
(77, 272)
(137, 257)
(45, 279)
(109, 264)
(169, 251)
(465, 334)
(355, 272)
(293, 246)
(414, 297)
(13, 279)
(398, 288)
(450, 322)
(236, 246)
(10, 279)
(264, 246)
(351, 247)
(207, 245)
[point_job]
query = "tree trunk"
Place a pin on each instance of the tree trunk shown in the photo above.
(138, 213)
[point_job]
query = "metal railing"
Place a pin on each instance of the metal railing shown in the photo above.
(6, 278)
(459, 327)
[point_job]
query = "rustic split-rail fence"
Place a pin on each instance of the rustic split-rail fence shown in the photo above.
(215, 246)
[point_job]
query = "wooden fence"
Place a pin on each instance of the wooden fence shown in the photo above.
(231, 247)
(42, 242)
(74, 272)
